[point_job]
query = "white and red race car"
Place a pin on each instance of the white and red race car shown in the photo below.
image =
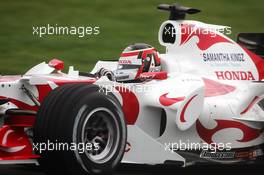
(205, 106)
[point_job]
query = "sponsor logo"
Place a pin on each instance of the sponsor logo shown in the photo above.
(125, 62)
(231, 154)
(217, 155)
(249, 154)
(223, 57)
(147, 76)
(234, 75)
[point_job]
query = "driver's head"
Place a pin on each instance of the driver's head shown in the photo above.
(136, 59)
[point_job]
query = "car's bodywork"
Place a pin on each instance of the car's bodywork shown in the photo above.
(210, 91)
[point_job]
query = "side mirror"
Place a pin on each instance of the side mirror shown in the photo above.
(57, 64)
(154, 75)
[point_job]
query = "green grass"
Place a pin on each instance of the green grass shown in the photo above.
(121, 23)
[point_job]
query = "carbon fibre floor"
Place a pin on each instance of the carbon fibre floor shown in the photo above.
(149, 170)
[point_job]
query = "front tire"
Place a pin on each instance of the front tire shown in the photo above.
(79, 114)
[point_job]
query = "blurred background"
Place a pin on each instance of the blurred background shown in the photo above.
(121, 23)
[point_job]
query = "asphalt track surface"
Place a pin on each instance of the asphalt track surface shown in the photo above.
(150, 170)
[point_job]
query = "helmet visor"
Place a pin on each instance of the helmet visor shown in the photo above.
(127, 66)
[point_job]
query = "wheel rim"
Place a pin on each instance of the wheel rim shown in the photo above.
(100, 127)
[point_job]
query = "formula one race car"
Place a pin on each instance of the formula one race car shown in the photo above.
(200, 102)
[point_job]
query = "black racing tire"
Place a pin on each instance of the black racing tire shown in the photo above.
(78, 114)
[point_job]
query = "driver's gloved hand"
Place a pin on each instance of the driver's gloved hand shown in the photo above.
(105, 72)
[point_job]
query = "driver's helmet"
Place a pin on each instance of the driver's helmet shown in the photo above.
(136, 59)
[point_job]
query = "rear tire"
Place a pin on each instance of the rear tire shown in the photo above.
(78, 114)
